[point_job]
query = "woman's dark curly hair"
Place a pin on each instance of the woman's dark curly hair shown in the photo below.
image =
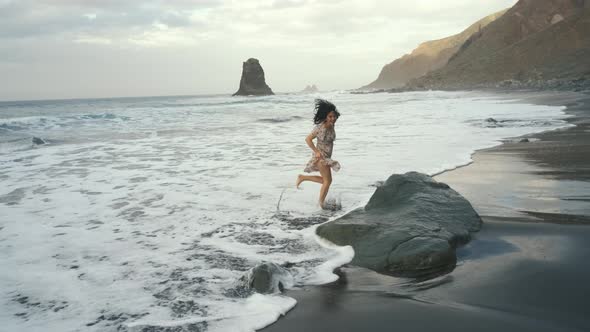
(322, 109)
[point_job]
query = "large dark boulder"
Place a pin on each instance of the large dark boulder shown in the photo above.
(252, 81)
(410, 227)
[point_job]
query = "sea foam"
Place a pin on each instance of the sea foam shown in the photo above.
(146, 211)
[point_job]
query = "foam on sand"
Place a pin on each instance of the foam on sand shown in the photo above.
(149, 210)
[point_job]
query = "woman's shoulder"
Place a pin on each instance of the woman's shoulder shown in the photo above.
(318, 126)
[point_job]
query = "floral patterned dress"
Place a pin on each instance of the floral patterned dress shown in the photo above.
(325, 143)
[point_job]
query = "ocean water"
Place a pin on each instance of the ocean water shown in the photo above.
(143, 214)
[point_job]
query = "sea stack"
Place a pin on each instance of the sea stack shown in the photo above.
(252, 81)
(310, 89)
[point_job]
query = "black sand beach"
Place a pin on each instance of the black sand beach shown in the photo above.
(526, 270)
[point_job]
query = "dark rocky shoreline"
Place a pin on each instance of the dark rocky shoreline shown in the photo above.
(581, 85)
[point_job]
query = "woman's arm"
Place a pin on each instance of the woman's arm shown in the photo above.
(309, 141)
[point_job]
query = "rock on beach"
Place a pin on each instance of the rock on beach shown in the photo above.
(410, 227)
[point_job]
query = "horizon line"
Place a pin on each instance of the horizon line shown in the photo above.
(143, 96)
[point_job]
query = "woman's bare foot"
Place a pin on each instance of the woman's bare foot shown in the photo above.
(299, 180)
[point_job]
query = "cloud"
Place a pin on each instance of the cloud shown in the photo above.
(283, 4)
(192, 46)
(32, 19)
(92, 40)
(120, 21)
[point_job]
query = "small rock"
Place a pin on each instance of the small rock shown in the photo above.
(267, 278)
(38, 141)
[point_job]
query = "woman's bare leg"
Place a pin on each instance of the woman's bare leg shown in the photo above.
(326, 173)
(312, 178)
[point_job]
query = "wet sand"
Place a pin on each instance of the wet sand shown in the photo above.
(526, 270)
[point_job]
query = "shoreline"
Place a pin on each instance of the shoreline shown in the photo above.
(531, 170)
(525, 192)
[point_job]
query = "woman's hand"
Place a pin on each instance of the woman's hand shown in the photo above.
(309, 141)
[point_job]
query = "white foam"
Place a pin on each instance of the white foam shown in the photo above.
(324, 273)
(150, 216)
(254, 313)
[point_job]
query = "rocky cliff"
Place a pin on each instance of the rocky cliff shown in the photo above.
(426, 57)
(535, 43)
(252, 81)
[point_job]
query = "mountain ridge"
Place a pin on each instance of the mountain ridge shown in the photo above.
(534, 44)
(429, 55)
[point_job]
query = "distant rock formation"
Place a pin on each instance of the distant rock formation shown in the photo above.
(426, 57)
(252, 81)
(537, 43)
(310, 89)
(410, 227)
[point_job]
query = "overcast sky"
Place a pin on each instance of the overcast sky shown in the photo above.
(109, 48)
